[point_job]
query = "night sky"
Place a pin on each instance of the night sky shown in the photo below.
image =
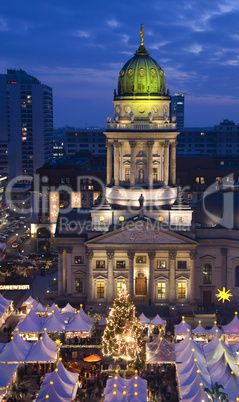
(78, 48)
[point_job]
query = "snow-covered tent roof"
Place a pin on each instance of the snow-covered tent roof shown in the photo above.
(39, 308)
(86, 317)
(5, 302)
(232, 327)
(157, 320)
(6, 373)
(59, 384)
(199, 330)
(191, 349)
(68, 309)
(119, 389)
(160, 351)
(29, 300)
(40, 353)
(182, 328)
(215, 330)
(53, 308)
(144, 319)
(53, 324)
(15, 351)
(78, 324)
(31, 323)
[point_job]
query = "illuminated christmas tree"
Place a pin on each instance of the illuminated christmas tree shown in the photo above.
(123, 335)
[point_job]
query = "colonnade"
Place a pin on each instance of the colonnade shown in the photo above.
(168, 166)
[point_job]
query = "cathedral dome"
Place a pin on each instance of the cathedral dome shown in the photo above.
(141, 76)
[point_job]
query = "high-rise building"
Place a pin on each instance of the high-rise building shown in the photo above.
(177, 109)
(26, 122)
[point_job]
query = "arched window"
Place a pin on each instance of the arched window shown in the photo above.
(207, 274)
(237, 275)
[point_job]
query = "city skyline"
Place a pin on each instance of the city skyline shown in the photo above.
(79, 51)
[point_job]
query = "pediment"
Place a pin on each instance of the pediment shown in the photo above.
(140, 232)
(208, 256)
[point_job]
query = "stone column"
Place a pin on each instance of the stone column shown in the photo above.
(68, 270)
(151, 276)
(131, 274)
(116, 163)
(173, 163)
(109, 163)
(172, 270)
(110, 256)
(132, 163)
(150, 163)
(165, 164)
(64, 271)
(60, 270)
(224, 266)
(193, 255)
(90, 279)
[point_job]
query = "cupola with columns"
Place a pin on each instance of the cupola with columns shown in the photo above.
(141, 139)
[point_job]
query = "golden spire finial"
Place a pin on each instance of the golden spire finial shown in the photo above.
(141, 35)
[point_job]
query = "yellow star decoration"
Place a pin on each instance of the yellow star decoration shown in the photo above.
(223, 295)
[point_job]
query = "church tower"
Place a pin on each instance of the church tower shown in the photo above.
(141, 139)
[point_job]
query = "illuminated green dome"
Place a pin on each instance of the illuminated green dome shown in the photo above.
(141, 76)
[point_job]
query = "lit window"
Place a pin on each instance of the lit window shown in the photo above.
(161, 264)
(207, 274)
(181, 291)
(141, 259)
(161, 290)
(79, 285)
(79, 259)
(127, 174)
(120, 264)
(155, 174)
(100, 264)
(100, 290)
(119, 287)
(190, 197)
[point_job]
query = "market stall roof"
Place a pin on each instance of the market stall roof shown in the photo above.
(157, 320)
(144, 319)
(40, 353)
(68, 309)
(15, 351)
(48, 342)
(199, 330)
(31, 323)
(86, 317)
(102, 321)
(5, 302)
(182, 328)
(53, 324)
(78, 324)
(39, 308)
(215, 330)
(120, 389)
(61, 380)
(232, 327)
(160, 351)
(6, 373)
(53, 308)
(30, 303)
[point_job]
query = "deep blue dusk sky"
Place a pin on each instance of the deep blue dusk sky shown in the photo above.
(78, 48)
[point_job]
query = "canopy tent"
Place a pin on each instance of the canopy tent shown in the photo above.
(182, 329)
(29, 303)
(86, 317)
(143, 319)
(78, 324)
(7, 371)
(160, 351)
(53, 308)
(157, 320)
(199, 330)
(39, 308)
(31, 323)
(53, 324)
(61, 380)
(68, 309)
(119, 389)
(5, 302)
(232, 327)
(15, 351)
(92, 358)
(215, 330)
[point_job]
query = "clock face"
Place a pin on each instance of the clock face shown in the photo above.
(141, 72)
(153, 71)
(130, 72)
